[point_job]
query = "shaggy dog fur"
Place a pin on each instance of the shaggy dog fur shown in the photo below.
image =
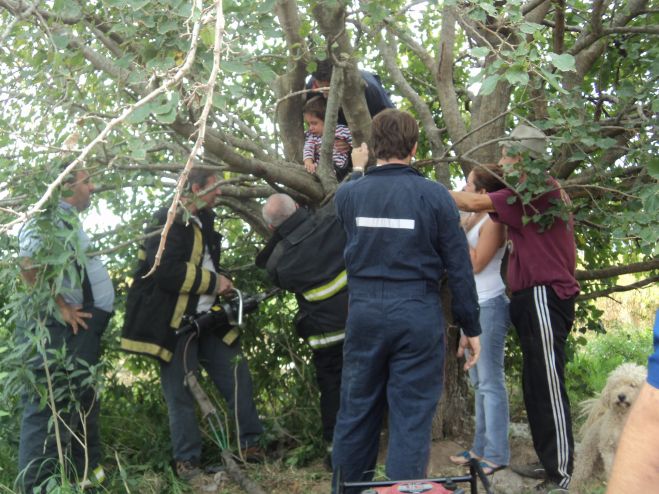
(606, 416)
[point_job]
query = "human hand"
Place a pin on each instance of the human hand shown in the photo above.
(473, 344)
(73, 316)
(224, 286)
(360, 156)
(341, 145)
(310, 166)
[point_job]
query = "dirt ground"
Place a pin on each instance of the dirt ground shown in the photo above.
(277, 478)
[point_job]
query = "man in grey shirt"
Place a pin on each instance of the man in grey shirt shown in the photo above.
(66, 343)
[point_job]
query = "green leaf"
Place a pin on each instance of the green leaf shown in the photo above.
(529, 27)
(552, 80)
(169, 117)
(66, 8)
(139, 115)
(517, 76)
(207, 35)
(480, 51)
(653, 168)
(234, 66)
(489, 85)
(563, 62)
(266, 7)
(606, 142)
(60, 41)
(264, 72)
(219, 101)
(137, 4)
(167, 25)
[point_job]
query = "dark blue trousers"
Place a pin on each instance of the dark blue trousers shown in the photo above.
(393, 359)
(77, 403)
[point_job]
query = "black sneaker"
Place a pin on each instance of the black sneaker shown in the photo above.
(531, 470)
(550, 487)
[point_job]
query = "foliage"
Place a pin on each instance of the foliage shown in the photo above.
(467, 71)
(591, 366)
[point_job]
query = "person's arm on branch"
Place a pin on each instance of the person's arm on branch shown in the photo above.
(470, 201)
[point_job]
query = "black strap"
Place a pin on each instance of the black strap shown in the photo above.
(87, 293)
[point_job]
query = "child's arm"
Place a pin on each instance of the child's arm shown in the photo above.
(310, 142)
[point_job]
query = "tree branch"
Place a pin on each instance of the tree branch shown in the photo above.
(610, 272)
(433, 133)
(618, 288)
(110, 126)
(201, 125)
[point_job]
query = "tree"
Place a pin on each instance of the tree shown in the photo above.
(585, 72)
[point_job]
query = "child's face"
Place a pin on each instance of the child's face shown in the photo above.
(314, 123)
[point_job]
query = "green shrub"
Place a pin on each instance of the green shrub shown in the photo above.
(589, 367)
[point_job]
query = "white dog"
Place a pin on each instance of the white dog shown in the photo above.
(606, 417)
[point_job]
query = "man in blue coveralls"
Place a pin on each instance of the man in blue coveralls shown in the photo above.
(403, 235)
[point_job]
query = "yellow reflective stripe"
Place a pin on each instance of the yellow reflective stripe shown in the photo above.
(324, 340)
(205, 281)
(197, 246)
(190, 274)
(327, 290)
(146, 348)
(99, 474)
(231, 336)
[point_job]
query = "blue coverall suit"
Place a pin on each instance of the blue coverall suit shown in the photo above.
(403, 235)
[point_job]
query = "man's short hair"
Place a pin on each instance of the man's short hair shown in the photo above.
(198, 176)
(527, 139)
(323, 70)
(316, 106)
(62, 164)
(393, 134)
(277, 209)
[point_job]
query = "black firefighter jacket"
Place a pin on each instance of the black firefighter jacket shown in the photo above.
(155, 305)
(305, 256)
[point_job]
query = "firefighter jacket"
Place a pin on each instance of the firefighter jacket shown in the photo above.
(305, 256)
(155, 305)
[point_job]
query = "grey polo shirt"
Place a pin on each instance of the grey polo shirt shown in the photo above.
(102, 289)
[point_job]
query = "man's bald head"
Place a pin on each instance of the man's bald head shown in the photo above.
(277, 209)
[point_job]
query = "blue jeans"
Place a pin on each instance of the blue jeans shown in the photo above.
(227, 368)
(393, 359)
(487, 377)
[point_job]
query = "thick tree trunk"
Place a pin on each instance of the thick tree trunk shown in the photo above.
(453, 416)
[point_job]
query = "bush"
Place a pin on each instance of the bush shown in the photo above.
(586, 373)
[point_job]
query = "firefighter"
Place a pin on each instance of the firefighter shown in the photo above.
(305, 256)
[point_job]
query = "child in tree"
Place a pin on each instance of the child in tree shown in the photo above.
(314, 117)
